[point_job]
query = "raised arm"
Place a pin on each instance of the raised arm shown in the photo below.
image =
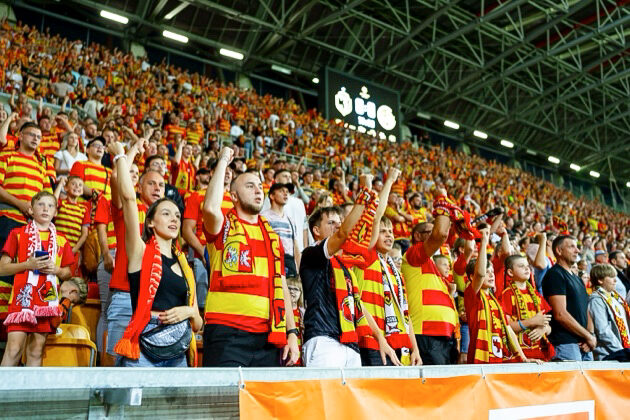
(392, 175)
(439, 234)
(4, 129)
(339, 237)
(540, 262)
(482, 261)
(133, 241)
(212, 215)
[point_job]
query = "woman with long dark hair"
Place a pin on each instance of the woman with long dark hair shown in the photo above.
(162, 285)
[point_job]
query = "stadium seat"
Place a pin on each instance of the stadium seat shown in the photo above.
(70, 346)
(87, 315)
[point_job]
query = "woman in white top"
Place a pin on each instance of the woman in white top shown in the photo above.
(68, 154)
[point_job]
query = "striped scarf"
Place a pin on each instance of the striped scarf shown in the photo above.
(485, 338)
(621, 326)
(361, 235)
(35, 295)
(351, 317)
(522, 303)
(150, 277)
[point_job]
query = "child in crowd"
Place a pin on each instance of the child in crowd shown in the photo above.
(610, 312)
(73, 217)
(38, 257)
(297, 303)
(492, 340)
(527, 312)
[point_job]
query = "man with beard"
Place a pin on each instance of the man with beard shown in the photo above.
(157, 163)
(416, 210)
(248, 296)
(571, 329)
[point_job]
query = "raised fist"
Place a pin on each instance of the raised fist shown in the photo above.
(365, 180)
(393, 174)
(226, 154)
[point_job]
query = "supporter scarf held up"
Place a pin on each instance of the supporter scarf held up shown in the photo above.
(150, 277)
(35, 294)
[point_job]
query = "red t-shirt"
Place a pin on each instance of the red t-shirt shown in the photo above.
(193, 211)
(119, 280)
(103, 216)
(64, 258)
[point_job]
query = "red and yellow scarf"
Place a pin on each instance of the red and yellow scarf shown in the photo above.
(621, 326)
(351, 317)
(35, 295)
(484, 337)
(150, 277)
(524, 313)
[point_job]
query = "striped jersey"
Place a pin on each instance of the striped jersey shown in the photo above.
(103, 216)
(195, 134)
(94, 175)
(48, 147)
(70, 218)
(172, 130)
(22, 176)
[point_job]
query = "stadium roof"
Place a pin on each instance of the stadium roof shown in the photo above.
(549, 75)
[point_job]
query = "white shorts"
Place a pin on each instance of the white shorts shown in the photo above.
(326, 352)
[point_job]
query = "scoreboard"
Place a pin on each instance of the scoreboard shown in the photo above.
(364, 106)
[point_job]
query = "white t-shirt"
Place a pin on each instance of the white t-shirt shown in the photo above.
(295, 211)
(66, 159)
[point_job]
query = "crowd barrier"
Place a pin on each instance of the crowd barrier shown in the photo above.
(558, 391)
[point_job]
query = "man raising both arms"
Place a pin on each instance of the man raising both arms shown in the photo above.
(248, 296)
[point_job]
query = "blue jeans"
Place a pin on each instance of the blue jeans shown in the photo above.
(571, 351)
(103, 277)
(201, 280)
(465, 340)
(144, 362)
(118, 317)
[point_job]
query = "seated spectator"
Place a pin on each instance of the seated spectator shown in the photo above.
(609, 311)
(38, 258)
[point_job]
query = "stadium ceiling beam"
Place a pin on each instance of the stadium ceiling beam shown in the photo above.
(539, 30)
(472, 25)
(416, 31)
(158, 7)
(542, 55)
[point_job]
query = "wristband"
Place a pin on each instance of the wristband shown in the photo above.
(520, 324)
(122, 155)
(293, 331)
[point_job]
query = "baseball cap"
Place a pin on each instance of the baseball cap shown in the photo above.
(277, 186)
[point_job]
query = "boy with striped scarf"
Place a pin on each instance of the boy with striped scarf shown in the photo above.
(492, 340)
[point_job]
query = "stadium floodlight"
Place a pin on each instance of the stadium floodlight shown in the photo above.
(114, 17)
(553, 159)
(594, 174)
(177, 37)
(575, 167)
(507, 143)
(232, 54)
(170, 15)
(280, 69)
(451, 124)
(531, 152)
(628, 184)
(316, 80)
(423, 115)
(480, 134)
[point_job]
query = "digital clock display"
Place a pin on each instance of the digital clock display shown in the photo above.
(364, 106)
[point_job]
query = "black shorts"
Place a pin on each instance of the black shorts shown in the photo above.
(225, 346)
(437, 350)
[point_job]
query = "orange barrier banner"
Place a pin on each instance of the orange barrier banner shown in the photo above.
(564, 395)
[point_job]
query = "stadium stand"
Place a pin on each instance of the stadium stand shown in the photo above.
(484, 262)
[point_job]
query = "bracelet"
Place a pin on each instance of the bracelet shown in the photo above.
(293, 331)
(520, 324)
(122, 155)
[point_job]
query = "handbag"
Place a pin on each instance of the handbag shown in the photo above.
(167, 341)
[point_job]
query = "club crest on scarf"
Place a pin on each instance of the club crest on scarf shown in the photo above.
(25, 295)
(47, 292)
(237, 257)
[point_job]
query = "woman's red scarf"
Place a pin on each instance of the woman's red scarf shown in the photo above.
(150, 277)
(35, 295)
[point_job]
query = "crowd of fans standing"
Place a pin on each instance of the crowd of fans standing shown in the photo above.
(286, 238)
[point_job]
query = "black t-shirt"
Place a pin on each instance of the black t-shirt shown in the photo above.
(172, 291)
(321, 317)
(559, 281)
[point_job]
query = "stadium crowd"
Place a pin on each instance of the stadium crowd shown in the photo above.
(186, 206)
